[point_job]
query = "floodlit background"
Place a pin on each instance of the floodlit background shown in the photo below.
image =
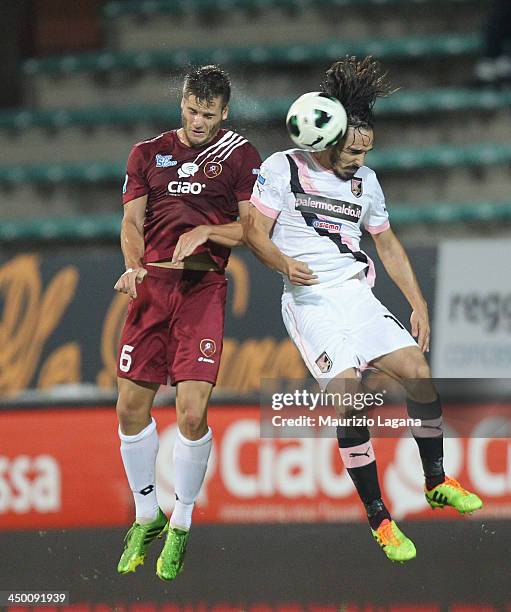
(278, 524)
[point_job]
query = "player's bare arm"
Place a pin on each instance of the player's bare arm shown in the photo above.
(398, 266)
(256, 232)
(132, 245)
(229, 235)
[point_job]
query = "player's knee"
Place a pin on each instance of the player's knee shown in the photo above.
(191, 416)
(419, 369)
(131, 410)
(192, 423)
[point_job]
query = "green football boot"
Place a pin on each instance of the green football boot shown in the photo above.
(451, 493)
(170, 561)
(395, 544)
(138, 539)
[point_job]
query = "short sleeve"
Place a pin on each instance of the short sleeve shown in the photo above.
(135, 183)
(269, 191)
(377, 219)
(249, 171)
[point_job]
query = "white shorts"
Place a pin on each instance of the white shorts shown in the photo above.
(337, 328)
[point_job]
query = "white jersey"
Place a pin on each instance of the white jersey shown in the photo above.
(319, 216)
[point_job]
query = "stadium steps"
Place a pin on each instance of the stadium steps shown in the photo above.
(390, 160)
(401, 103)
(447, 45)
(107, 227)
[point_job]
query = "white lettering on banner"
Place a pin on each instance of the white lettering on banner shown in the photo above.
(488, 482)
(472, 325)
(30, 483)
(301, 469)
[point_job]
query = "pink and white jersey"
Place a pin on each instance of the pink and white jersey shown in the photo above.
(319, 216)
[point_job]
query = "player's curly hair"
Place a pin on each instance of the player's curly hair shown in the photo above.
(357, 83)
(206, 83)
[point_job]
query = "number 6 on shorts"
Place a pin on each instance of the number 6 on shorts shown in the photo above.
(125, 359)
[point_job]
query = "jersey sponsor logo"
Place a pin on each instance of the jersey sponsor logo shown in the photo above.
(164, 161)
(213, 169)
(324, 363)
(187, 169)
(179, 187)
(307, 203)
(356, 187)
(330, 226)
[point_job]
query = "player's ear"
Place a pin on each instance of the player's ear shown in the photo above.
(225, 112)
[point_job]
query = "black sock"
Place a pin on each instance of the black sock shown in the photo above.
(429, 439)
(364, 477)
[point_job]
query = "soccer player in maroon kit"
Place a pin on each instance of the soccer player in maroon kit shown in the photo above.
(182, 196)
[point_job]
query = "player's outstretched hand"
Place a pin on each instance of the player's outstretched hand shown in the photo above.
(420, 328)
(189, 241)
(128, 281)
(299, 272)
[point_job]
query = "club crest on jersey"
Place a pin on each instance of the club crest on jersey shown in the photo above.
(207, 347)
(356, 187)
(187, 169)
(324, 363)
(164, 161)
(212, 169)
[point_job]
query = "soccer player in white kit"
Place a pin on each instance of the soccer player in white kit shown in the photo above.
(306, 219)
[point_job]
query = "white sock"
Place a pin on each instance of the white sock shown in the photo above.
(190, 463)
(139, 457)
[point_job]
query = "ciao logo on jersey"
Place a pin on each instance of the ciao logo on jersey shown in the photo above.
(339, 209)
(183, 187)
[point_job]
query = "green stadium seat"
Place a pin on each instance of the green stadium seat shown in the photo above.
(106, 227)
(385, 48)
(388, 160)
(111, 10)
(410, 102)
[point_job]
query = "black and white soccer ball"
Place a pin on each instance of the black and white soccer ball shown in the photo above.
(316, 121)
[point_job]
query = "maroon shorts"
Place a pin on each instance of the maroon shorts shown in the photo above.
(174, 329)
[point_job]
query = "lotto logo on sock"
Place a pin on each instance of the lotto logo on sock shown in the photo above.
(147, 490)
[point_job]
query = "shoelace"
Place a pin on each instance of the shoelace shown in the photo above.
(387, 535)
(456, 485)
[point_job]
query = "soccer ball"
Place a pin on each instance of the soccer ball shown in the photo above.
(316, 121)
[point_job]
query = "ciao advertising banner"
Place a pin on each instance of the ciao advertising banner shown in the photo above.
(472, 324)
(62, 469)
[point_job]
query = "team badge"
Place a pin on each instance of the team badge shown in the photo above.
(356, 187)
(324, 363)
(207, 347)
(212, 169)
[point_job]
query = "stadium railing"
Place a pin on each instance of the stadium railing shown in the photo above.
(155, 7)
(390, 160)
(411, 102)
(106, 227)
(274, 55)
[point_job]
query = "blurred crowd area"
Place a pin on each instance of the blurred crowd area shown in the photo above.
(88, 79)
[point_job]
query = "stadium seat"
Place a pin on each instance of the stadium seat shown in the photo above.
(405, 48)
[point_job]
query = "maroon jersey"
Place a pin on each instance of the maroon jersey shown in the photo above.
(187, 187)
